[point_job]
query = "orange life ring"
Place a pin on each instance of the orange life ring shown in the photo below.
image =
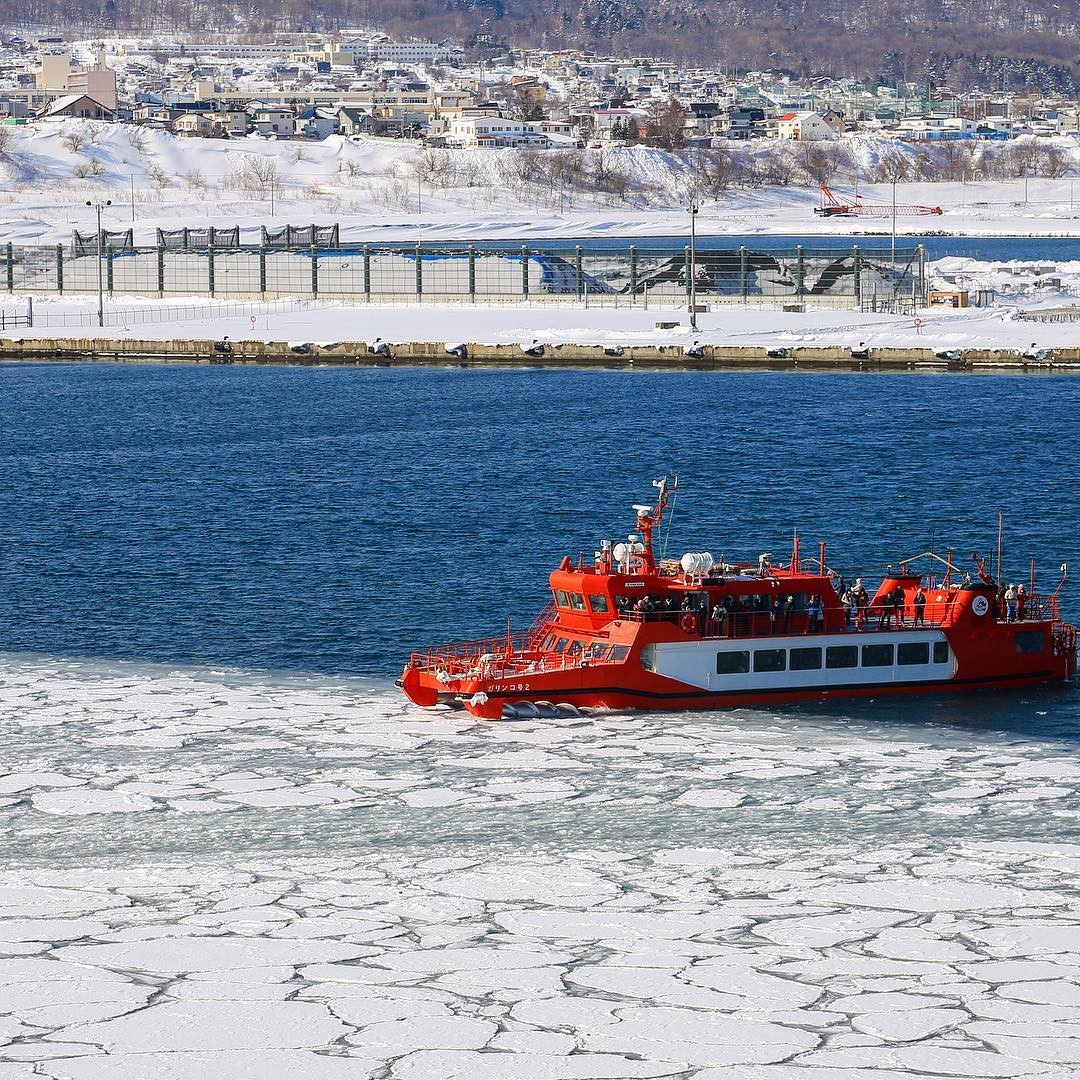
(688, 622)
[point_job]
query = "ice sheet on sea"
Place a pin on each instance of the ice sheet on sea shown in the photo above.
(1030, 938)
(48, 901)
(928, 1059)
(909, 894)
(697, 1038)
(903, 1026)
(470, 1065)
(90, 801)
(571, 886)
(47, 929)
(184, 954)
(214, 1025)
(824, 931)
(614, 926)
(16, 782)
(392, 1038)
(227, 1065)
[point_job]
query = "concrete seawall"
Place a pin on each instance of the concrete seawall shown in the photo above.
(713, 357)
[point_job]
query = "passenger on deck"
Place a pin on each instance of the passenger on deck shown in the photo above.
(919, 603)
(813, 614)
(719, 618)
(789, 607)
(898, 605)
(1010, 604)
(848, 603)
(862, 602)
(1021, 603)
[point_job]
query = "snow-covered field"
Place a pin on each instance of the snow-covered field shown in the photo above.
(382, 190)
(214, 874)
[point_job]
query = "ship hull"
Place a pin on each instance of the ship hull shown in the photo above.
(726, 673)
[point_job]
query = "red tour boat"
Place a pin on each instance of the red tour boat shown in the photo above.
(629, 632)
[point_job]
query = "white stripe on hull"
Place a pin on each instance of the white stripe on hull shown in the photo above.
(694, 663)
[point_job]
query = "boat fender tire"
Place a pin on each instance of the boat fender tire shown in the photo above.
(980, 605)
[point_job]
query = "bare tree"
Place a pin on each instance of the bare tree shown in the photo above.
(1052, 162)
(666, 124)
(258, 173)
(893, 167)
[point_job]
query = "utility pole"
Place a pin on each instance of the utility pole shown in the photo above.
(894, 222)
(100, 283)
(692, 209)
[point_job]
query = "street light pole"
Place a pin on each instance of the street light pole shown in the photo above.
(693, 211)
(100, 245)
(894, 222)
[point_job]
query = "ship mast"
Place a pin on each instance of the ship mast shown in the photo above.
(649, 517)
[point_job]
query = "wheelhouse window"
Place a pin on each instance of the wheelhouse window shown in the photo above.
(577, 601)
(805, 659)
(560, 645)
(842, 656)
(732, 663)
(913, 652)
(770, 659)
(560, 598)
(877, 656)
(1029, 641)
(618, 654)
(941, 652)
(599, 603)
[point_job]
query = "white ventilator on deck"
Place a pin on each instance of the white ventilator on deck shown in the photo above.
(697, 563)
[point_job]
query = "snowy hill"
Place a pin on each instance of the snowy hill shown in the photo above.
(395, 191)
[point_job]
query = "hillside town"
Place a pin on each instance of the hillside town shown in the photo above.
(363, 86)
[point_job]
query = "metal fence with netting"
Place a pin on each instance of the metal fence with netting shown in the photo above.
(630, 275)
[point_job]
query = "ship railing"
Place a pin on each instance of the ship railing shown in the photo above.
(874, 616)
(490, 659)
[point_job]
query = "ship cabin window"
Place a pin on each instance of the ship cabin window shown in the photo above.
(1029, 641)
(560, 598)
(877, 656)
(805, 659)
(595, 650)
(648, 658)
(560, 645)
(770, 659)
(913, 652)
(842, 656)
(618, 654)
(547, 643)
(941, 652)
(599, 603)
(574, 648)
(732, 663)
(577, 601)
(623, 603)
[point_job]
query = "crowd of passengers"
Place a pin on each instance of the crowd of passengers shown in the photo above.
(767, 613)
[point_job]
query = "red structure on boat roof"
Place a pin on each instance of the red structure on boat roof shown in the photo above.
(630, 632)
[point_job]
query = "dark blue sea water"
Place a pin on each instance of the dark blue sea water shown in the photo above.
(331, 520)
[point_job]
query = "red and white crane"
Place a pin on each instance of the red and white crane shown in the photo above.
(831, 206)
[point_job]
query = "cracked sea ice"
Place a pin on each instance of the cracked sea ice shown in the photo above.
(213, 875)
